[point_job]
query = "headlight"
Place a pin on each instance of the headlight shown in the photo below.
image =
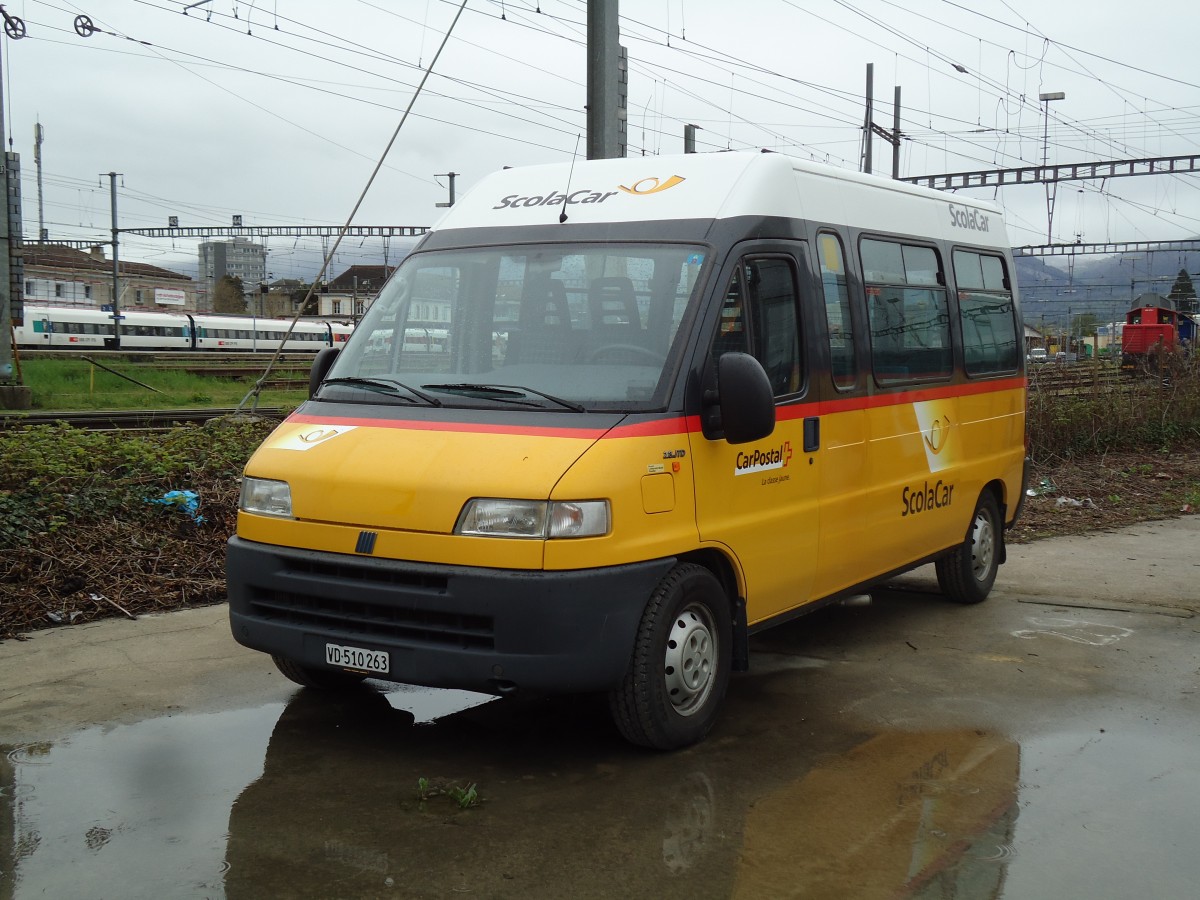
(487, 517)
(265, 497)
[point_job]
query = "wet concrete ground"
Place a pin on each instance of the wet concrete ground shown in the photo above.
(1023, 748)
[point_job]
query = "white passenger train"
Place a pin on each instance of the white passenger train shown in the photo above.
(77, 328)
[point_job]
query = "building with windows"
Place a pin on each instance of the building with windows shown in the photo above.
(63, 276)
(351, 293)
(239, 258)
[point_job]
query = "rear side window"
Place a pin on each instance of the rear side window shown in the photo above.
(908, 312)
(838, 321)
(987, 313)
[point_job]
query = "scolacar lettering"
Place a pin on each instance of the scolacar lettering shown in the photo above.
(917, 500)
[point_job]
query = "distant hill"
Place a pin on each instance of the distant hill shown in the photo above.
(1054, 291)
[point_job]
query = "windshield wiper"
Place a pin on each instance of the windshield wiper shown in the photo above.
(504, 393)
(386, 385)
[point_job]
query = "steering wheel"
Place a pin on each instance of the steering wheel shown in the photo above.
(632, 349)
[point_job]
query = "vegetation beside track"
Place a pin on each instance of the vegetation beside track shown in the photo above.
(82, 536)
(84, 531)
(1083, 409)
(75, 383)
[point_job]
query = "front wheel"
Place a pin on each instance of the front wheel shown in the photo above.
(966, 574)
(680, 666)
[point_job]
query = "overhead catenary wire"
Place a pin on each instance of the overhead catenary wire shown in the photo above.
(258, 385)
(689, 71)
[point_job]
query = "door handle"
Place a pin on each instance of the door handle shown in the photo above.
(812, 434)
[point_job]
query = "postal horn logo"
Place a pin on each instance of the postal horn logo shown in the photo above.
(651, 185)
(937, 435)
(317, 435)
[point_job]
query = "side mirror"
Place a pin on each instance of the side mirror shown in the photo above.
(747, 401)
(320, 368)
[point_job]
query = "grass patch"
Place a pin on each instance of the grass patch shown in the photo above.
(75, 384)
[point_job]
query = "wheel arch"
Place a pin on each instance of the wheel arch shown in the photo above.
(999, 491)
(724, 570)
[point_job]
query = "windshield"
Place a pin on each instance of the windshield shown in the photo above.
(563, 327)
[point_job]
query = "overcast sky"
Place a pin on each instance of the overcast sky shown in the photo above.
(278, 110)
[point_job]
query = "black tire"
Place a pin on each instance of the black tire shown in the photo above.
(967, 573)
(679, 671)
(311, 676)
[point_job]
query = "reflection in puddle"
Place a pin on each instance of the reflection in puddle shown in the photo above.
(570, 811)
(897, 815)
(319, 798)
(134, 811)
(688, 823)
(427, 705)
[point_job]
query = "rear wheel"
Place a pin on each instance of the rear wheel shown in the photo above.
(680, 667)
(967, 573)
(311, 676)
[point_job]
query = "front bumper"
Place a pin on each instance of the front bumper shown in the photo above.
(491, 630)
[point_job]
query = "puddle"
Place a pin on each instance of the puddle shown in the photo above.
(133, 810)
(1108, 814)
(319, 797)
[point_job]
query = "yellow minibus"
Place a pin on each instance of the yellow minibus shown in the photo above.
(677, 400)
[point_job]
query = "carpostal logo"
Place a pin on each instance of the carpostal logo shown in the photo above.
(588, 195)
(969, 219)
(761, 460)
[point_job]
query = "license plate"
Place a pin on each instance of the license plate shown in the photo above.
(357, 658)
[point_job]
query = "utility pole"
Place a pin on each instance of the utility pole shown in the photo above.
(1051, 186)
(895, 139)
(6, 310)
(12, 394)
(115, 344)
(870, 129)
(869, 121)
(605, 111)
(38, 136)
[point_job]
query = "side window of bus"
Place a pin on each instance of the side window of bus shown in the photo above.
(842, 363)
(908, 311)
(985, 308)
(759, 317)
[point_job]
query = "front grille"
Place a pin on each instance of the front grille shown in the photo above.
(387, 621)
(384, 577)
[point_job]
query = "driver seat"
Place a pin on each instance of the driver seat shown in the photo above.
(614, 311)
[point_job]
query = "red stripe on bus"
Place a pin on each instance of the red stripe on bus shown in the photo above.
(672, 425)
(591, 433)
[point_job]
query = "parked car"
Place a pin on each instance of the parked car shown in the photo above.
(1037, 355)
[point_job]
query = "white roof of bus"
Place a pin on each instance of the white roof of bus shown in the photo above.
(720, 185)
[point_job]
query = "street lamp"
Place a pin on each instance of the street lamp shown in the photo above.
(1051, 186)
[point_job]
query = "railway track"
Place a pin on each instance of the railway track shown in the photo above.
(130, 419)
(1046, 379)
(1079, 378)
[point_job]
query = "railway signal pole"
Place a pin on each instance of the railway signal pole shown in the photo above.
(116, 268)
(13, 395)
